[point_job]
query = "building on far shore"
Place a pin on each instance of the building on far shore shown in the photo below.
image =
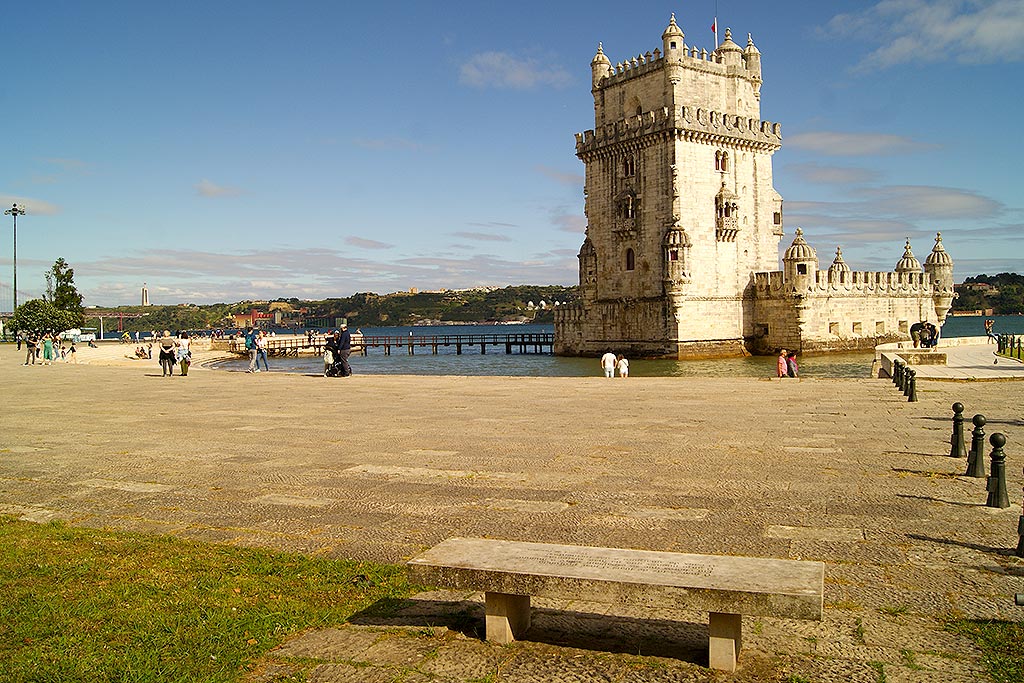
(681, 254)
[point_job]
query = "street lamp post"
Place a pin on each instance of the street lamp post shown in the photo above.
(15, 211)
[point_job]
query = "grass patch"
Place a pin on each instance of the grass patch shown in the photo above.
(1001, 644)
(86, 605)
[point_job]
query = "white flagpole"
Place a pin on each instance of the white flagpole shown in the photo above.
(716, 24)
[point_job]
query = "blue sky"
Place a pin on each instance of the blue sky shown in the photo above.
(222, 151)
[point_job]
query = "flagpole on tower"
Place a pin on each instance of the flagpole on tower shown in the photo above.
(714, 24)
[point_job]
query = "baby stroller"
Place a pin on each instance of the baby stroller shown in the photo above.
(332, 366)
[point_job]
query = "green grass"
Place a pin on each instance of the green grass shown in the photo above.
(1001, 643)
(85, 605)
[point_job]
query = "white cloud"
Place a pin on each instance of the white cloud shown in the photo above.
(929, 31)
(835, 143)
(31, 206)
(367, 244)
(208, 189)
(574, 179)
(832, 175)
(503, 70)
(483, 236)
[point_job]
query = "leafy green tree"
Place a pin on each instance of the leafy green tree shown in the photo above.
(38, 314)
(61, 291)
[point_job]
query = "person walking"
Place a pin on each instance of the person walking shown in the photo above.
(622, 365)
(792, 369)
(261, 351)
(31, 342)
(73, 353)
(184, 354)
(782, 365)
(608, 361)
(167, 355)
(250, 347)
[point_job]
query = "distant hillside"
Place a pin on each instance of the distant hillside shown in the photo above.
(519, 303)
(1004, 293)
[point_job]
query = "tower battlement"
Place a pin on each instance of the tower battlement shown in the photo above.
(851, 283)
(693, 123)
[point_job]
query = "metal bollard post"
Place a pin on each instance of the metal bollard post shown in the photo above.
(997, 497)
(907, 374)
(896, 372)
(902, 384)
(1020, 536)
(958, 449)
(912, 392)
(976, 457)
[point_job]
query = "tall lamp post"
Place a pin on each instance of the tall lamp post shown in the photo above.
(15, 211)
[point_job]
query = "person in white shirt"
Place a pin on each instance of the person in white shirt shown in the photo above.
(622, 365)
(608, 363)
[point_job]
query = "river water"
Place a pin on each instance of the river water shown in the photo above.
(497, 362)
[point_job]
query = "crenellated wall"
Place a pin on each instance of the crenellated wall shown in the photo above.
(692, 124)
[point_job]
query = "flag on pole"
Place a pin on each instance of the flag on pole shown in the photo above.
(714, 29)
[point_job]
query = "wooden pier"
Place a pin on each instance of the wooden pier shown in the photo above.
(532, 343)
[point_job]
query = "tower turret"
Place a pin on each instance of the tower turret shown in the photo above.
(800, 264)
(939, 266)
(839, 270)
(672, 40)
(752, 62)
(730, 52)
(588, 270)
(909, 262)
(600, 67)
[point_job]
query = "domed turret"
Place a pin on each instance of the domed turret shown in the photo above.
(752, 61)
(600, 67)
(839, 270)
(909, 263)
(672, 40)
(939, 266)
(730, 52)
(800, 263)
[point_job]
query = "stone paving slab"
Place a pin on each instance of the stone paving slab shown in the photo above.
(338, 467)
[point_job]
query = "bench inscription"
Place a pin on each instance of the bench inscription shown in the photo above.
(562, 558)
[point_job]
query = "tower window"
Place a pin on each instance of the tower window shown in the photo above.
(630, 260)
(629, 167)
(672, 44)
(721, 161)
(778, 218)
(801, 268)
(673, 254)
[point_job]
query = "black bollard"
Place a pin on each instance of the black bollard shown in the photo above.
(896, 372)
(902, 383)
(976, 456)
(907, 374)
(997, 497)
(1020, 536)
(958, 449)
(912, 394)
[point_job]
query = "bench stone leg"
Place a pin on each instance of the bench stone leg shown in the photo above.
(725, 631)
(507, 616)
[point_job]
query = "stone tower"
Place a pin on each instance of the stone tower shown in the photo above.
(145, 294)
(680, 205)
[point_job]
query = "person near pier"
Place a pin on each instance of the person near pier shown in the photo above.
(344, 345)
(608, 361)
(622, 365)
(250, 348)
(990, 325)
(792, 369)
(261, 351)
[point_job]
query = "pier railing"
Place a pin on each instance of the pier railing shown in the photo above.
(522, 343)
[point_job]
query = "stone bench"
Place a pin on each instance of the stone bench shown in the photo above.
(510, 572)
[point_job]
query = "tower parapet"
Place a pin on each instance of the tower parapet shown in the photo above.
(939, 266)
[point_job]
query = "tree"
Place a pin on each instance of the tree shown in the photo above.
(38, 314)
(61, 291)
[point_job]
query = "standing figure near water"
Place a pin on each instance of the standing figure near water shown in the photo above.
(792, 369)
(782, 365)
(167, 356)
(608, 361)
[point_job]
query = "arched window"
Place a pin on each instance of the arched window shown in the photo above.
(630, 259)
(629, 167)
(725, 161)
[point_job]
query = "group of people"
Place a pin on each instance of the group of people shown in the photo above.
(45, 348)
(786, 365)
(256, 346)
(611, 363)
(924, 335)
(173, 351)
